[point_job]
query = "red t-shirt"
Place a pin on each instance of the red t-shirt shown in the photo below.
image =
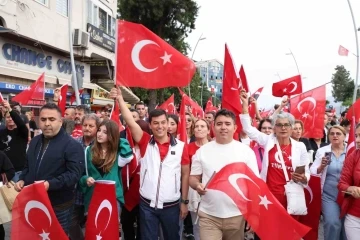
(275, 176)
(192, 148)
(163, 149)
(77, 132)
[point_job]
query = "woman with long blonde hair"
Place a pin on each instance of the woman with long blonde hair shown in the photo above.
(104, 159)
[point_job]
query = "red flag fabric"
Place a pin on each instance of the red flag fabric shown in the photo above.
(243, 79)
(266, 216)
(309, 107)
(313, 203)
(257, 93)
(288, 87)
(231, 89)
(252, 108)
(182, 120)
(1, 98)
(36, 91)
(62, 98)
(196, 110)
(351, 141)
(209, 105)
(114, 115)
(103, 218)
(343, 51)
(169, 105)
(33, 217)
(354, 111)
(145, 60)
(73, 98)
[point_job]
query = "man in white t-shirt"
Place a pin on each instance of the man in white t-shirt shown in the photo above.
(219, 217)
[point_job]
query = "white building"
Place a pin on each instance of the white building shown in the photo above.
(39, 42)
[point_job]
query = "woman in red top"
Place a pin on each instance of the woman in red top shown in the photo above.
(201, 131)
(350, 183)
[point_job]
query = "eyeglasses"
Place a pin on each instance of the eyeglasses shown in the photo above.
(335, 133)
(285, 125)
(265, 128)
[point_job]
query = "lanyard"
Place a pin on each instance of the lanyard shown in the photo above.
(42, 156)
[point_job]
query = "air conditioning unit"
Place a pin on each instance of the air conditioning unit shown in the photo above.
(81, 38)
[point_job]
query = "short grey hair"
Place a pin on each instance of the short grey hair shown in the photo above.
(283, 115)
(91, 116)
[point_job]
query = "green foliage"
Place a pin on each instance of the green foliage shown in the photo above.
(172, 20)
(342, 85)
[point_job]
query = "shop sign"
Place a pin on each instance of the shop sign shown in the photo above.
(19, 87)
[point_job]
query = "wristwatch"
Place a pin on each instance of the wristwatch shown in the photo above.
(185, 201)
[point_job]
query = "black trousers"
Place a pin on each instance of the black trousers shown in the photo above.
(127, 223)
(2, 232)
(188, 226)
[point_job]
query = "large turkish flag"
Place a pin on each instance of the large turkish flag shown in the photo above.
(145, 60)
(33, 217)
(288, 87)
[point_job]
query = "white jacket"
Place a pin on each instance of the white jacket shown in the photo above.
(160, 181)
(298, 150)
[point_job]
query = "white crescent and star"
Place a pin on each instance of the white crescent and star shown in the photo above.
(235, 89)
(295, 86)
(233, 181)
(310, 192)
(104, 204)
(35, 204)
(171, 104)
(307, 99)
(44, 235)
(135, 56)
(264, 201)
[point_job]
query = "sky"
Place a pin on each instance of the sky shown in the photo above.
(259, 33)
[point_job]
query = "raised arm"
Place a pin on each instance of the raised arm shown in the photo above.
(135, 129)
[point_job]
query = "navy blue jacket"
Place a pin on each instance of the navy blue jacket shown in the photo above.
(62, 166)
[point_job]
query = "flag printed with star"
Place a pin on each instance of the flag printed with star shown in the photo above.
(351, 141)
(145, 60)
(36, 91)
(288, 87)
(115, 115)
(169, 106)
(103, 218)
(354, 111)
(266, 216)
(196, 110)
(1, 98)
(33, 217)
(309, 107)
(62, 98)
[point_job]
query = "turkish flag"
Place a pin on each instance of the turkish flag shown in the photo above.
(266, 216)
(243, 79)
(351, 141)
(36, 91)
(168, 105)
(145, 60)
(252, 108)
(73, 97)
(354, 111)
(343, 51)
(114, 115)
(128, 171)
(103, 216)
(33, 218)
(1, 98)
(182, 119)
(288, 87)
(309, 107)
(231, 89)
(62, 98)
(257, 93)
(313, 203)
(210, 107)
(196, 110)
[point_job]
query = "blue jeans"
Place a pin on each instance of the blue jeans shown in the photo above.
(333, 225)
(168, 217)
(16, 176)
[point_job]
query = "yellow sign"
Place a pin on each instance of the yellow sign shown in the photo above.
(100, 93)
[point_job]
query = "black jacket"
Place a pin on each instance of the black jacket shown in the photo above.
(14, 142)
(6, 166)
(314, 146)
(62, 165)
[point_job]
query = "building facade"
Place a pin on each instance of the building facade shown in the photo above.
(211, 72)
(36, 40)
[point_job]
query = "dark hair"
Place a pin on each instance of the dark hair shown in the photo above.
(83, 108)
(212, 113)
(134, 110)
(144, 125)
(51, 106)
(343, 114)
(357, 126)
(262, 121)
(14, 104)
(276, 106)
(226, 113)
(174, 117)
(345, 123)
(139, 103)
(157, 113)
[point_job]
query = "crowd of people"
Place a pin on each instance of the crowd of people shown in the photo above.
(165, 195)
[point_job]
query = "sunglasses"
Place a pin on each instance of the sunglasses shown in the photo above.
(285, 125)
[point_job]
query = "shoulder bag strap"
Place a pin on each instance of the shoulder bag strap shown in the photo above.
(86, 167)
(282, 161)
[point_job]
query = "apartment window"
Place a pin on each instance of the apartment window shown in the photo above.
(44, 2)
(62, 7)
(101, 17)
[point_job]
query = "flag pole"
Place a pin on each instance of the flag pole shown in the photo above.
(292, 54)
(357, 51)
(73, 70)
